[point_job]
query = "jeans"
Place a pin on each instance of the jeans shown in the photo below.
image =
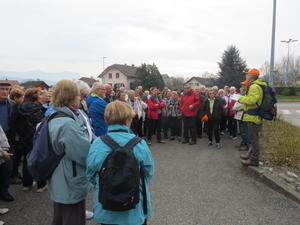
(232, 126)
(5, 173)
(244, 134)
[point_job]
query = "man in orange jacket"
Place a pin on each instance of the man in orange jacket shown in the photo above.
(189, 103)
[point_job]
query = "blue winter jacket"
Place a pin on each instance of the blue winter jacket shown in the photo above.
(97, 109)
(69, 135)
(97, 154)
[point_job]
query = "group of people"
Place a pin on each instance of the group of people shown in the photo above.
(93, 112)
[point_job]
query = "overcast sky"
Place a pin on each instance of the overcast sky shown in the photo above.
(182, 37)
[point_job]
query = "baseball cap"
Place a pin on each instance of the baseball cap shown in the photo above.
(254, 72)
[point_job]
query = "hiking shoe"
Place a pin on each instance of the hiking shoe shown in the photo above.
(233, 138)
(161, 141)
(209, 143)
(171, 138)
(218, 146)
(249, 162)
(15, 180)
(40, 190)
(7, 197)
(149, 143)
(192, 142)
(29, 187)
(185, 141)
(245, 157)
(179, 139)
(88, 215)
(243, 148)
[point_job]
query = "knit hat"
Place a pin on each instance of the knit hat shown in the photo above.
(254, 72)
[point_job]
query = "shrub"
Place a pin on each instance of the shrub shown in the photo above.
(279, 142)
(285, 91)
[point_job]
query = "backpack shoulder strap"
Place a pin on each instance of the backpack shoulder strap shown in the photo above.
(57, 115)
(109, 141)
(133, 142)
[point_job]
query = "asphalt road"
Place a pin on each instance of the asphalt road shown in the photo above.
(191, 185)
(290, 111)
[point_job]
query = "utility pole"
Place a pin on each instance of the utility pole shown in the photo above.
(271, 78)
(103, 77)
(288, 59)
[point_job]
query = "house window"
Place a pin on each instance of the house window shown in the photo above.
(117, 75)
(110, 75)
(197, 84)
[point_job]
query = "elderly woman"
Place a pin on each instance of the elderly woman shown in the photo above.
(136, 105)
(232, 123)
(213, 108)
(29, 115)
(225, 112)
(174, 116)
(121, 96)
(68, 185)
(154, 115)
(118, 116)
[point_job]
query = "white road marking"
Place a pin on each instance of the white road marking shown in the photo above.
(286, 112)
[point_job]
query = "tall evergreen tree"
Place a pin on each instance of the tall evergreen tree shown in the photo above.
(148, 76)
(232, 68)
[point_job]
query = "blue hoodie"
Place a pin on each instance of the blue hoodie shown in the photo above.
(97, 107)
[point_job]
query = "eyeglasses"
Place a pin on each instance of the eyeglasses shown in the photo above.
(82, 95)
(103, 89)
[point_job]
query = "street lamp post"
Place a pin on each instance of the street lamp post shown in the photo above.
(103, 77)
(271, 78)
(288, 58)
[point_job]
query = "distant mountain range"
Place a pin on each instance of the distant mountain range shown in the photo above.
(48, 78)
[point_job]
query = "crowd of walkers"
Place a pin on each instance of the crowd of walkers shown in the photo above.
(96, 111)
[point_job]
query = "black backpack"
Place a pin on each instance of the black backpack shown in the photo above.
(268, 109)
(42, 160)
(119, 177)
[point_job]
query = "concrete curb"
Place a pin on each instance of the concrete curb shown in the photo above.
(272, 182)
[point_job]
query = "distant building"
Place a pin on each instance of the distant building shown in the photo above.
(89, 80)
(35, 84)
(11, 82)
(198, 81)
(118, 75)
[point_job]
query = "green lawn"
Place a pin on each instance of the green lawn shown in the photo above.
(282, 98)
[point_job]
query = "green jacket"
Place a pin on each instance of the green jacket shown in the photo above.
(70, 136)
(252, 96)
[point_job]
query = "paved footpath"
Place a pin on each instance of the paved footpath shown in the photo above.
(191, 185)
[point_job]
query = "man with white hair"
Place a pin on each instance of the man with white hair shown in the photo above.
(97, 106)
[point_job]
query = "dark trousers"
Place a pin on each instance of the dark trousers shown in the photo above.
(253, 130)
(165, 126)
(189, 124)
(199, 126)
(138, 128)
(16, 159)
(223, 123)
(27, 178)
(152, 124)
(213, 125)
(244, 133)
(5, 173)
(67, 214)
(175, 125)
(232, 126)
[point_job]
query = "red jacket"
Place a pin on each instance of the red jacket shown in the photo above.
(187, 100)
(153, 109)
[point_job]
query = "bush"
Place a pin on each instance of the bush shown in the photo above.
(285, 91)
(292, 90)
(279, 142)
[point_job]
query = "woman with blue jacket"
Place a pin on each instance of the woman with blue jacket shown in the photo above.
(118, 116)
(68, 185)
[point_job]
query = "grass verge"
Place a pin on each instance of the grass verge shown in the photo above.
(280, 144)
(282, 98)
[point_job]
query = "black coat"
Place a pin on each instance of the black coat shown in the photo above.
(217, 109)
(29, 115)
